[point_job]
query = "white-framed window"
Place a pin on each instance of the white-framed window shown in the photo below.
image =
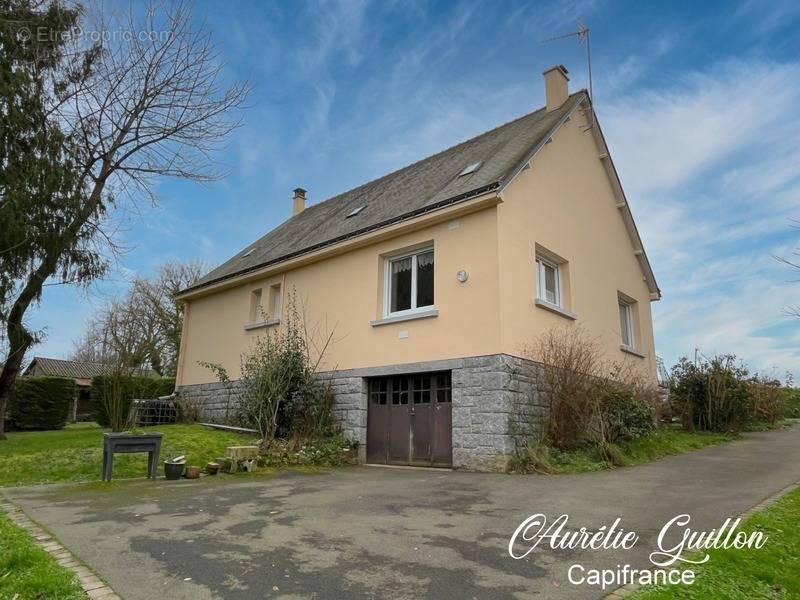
(255, 306)
(275, 301)
(409, 282)
(548, 282)
(626, 329)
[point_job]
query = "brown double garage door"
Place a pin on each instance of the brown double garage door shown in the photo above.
(409, 420)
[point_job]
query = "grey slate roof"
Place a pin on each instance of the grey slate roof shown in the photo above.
(428, 184)
(55, 367)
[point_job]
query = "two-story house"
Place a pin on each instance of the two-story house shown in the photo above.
(436, 276)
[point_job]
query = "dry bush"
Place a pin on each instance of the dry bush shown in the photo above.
(190, 410)
(769, 400)
(571, 361)
(588, 399)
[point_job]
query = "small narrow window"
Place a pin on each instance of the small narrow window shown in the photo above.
(255, 306)
(400, 390)
(549, 281)
(626, 323)
(422, 389)
(379, 391)
(443, 388)
(410, 282)
(275, 301)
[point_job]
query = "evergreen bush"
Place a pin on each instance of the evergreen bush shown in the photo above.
(41, 402)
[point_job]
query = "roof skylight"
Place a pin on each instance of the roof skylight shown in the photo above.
(355, 211)
(248, 253)
(470, 169)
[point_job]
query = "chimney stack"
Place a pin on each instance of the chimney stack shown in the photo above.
(555, 86)
(298, 201)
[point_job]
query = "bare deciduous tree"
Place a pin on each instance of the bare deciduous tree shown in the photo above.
(142, 329)
(138, 107)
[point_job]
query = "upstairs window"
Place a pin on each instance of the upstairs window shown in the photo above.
(275, 301)
(256, 312)
(626, 323)
(410, 281)
(549, 281)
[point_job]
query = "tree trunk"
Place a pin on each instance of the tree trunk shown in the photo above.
(11, 369)
(19, 338)
(19, 341)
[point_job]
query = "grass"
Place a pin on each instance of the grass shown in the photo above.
(29, 573)
(769, 572)
(664, 441)
(75, 453)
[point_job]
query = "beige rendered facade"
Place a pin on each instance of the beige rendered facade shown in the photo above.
(554, 246)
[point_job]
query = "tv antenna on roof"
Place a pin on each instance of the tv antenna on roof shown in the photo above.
(582, 33)
(583, 39)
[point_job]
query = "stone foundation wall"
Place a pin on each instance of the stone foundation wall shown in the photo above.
(217, 401)
(496, 404)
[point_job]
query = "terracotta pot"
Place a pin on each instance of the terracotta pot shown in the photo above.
(192, 473)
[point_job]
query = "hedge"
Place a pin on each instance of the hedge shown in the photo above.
(133, 387)
(41, 402)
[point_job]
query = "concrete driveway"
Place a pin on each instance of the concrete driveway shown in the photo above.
(371, 532)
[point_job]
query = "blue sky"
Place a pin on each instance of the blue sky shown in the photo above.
(698, 102)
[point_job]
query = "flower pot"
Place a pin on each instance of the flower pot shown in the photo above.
(192, 473)
(173, 470)
(212, 468)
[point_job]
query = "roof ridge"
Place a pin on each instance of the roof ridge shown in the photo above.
(424, 184)
(421, 160)
(71, 360)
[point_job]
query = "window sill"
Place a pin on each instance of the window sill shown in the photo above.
(633, 351)
(424, 313)
(260, 324)
(556, 309)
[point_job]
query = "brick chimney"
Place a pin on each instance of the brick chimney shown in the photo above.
(555, 86)
(298, 201)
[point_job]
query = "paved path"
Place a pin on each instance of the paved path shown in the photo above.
(368, 532)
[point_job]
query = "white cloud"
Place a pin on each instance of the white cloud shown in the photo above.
(710, 167)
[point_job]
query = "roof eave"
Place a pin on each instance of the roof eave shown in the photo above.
(630, 224)
(425, 210)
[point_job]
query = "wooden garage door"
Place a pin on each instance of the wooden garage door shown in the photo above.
(409, 420)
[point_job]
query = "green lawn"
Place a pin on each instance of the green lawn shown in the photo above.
(75, 453)
(767, 573)
(664, 441)
(29, 573)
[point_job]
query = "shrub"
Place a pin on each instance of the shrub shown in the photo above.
(570, 360)
(623, 415)
(712, 395)
(41, 402)
(588, 399)
(793, 403)
(331, 451)
(769, 400)
(111, 396)
(190, 410)
(281, 395)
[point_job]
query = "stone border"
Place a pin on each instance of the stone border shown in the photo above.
(94, 587)
(629, 589)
